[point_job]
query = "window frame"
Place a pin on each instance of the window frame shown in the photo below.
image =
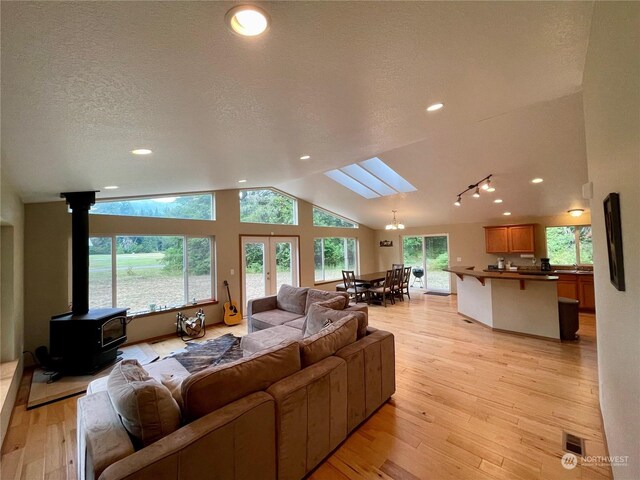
(185, 270)
(356, 225)
(152, 197)
(356, 260)
(274, 190)
(576, 234)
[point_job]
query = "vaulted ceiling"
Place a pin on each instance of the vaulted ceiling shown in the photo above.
(83, 83)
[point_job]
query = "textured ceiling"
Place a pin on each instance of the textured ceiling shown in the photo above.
(84, 83)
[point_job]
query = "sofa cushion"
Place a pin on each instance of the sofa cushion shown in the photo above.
(292, 299)
(270, 337)
(315, 296)
(297, 323)
(215, 387)
(318, 320)
(328, 341)
(272, 318)
(321, 312)
(146, 407)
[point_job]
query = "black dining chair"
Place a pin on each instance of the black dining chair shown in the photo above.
(357, 292)
(384, 290)
(396, 287)
(405, 282)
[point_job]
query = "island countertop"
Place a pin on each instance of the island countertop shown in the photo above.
(528, 305)
(500, 275)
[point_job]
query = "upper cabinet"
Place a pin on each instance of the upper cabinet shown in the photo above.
(510, 239)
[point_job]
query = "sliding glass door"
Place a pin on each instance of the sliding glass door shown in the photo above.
(431, 254)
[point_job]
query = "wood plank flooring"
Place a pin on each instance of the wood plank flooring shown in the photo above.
(470, 404)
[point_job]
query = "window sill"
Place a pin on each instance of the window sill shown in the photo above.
(175, 309)
(327, 282)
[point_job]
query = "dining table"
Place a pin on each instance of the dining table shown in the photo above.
(371, 278)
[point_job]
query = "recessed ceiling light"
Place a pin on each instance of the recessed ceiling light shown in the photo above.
(434, 107)
(497, 200)
(491, 189)
(247, 20)
(242, 181)
(576, 212)
(537, 180)
(141, 151)
(110, 187)
(507, 213)
(305, 157)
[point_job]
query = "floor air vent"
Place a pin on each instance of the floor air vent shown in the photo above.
(468, 321)
(572, 444)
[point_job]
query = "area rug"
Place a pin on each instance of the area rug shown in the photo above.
(197, 356)
(439, 294)
(42, 393)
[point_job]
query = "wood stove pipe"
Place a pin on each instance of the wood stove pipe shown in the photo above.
(80, 203)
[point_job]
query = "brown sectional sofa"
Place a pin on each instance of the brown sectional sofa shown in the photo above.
(275, 414)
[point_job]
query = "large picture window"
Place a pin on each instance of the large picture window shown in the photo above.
(267, 206)
(569, 245)
(324, 218)
(149, 273)
(332, 255)
(193, 207)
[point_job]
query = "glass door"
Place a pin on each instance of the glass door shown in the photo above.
(436, 249)
(268, 263)
(430, 253)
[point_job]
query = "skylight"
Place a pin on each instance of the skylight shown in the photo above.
(371, 179)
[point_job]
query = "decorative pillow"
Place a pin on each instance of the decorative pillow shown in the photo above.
(328, 341)
(146, 407)
(292, 299)
(319, 313)
(316, 296)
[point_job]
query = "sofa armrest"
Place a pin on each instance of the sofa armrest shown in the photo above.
(102, 439)
(258, 305)
(311, 414)
(234, 442)
(371, 374)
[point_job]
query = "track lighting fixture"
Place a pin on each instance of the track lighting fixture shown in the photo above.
(485, 184)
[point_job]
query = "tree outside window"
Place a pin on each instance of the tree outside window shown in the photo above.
(569, 245)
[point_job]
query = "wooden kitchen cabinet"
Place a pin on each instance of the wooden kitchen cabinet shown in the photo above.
(497, 239)
(521, 239)
(510, 239)
(568, 287)
(586, 292)
(579, 287)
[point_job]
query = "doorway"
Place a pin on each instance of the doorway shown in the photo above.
(431, 253)
(268, 263)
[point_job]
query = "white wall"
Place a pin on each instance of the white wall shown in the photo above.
(11, 298)
(612, 126)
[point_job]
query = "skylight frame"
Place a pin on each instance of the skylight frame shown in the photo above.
(371, 178)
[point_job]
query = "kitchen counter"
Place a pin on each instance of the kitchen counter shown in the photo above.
(509, 301)
(540, 272)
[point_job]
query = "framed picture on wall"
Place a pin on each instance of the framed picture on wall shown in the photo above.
(614, 240)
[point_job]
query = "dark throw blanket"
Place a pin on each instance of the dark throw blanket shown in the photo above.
(197, 356)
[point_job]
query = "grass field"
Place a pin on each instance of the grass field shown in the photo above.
(142, 283)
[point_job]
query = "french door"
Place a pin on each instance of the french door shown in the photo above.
(268, 263)
(431, 253)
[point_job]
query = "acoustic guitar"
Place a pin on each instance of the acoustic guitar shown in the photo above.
(232, 315)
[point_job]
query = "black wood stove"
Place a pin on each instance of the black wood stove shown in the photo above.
(83, 341)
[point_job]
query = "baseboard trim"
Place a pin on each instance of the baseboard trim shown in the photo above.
(500, 330)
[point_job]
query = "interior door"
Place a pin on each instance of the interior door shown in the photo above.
(268, 263)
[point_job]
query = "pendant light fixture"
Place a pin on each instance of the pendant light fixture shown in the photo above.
(394, 225)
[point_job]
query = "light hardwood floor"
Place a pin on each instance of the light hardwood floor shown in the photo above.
(470, 404)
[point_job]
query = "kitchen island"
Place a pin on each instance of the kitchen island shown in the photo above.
(509, 302)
